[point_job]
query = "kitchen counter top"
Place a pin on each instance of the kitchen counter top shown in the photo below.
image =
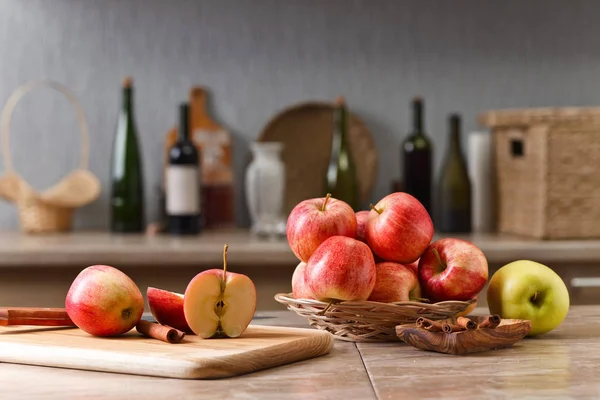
(561, 364)
(78, 248)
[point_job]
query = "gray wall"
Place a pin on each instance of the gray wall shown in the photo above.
(258, 56)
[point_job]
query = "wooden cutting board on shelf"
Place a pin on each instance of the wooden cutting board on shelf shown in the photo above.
(258, 348)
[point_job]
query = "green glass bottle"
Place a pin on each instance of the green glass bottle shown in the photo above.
(127, 178)
(454, 189)
(341, 180)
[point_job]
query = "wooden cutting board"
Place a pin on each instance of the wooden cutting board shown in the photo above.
(258, 348)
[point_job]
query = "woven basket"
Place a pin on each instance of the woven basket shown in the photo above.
(51, 210)
(547, 175)
(368, 321)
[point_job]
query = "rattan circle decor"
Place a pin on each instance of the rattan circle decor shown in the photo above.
(306, 130)
(368, 321)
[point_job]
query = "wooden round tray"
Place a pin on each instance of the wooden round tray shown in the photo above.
(305, 130)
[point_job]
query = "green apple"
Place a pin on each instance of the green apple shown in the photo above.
(529, 290)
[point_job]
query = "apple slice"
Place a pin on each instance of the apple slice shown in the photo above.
(218, 303)
(167, 308)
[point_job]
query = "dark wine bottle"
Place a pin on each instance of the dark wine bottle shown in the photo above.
(127, 177)
(454, 190)
(183, 181)
(341, 180)
(417, 153)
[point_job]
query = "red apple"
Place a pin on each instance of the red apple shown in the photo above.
(167, 308)
(399, 228)
(414, 266)
(395, 282)
(361, 225)
(314, 220)
(300, 289)
(342, 268)
(103, 301)
(218, 303)
(452, 269)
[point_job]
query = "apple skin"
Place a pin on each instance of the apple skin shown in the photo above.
(414, 266)
(399, 228)
(512, 289)
(104, 301)
(314, 220)
(361, 225)
(300, 289)
(395, 282)
(342, 268)
(203, 294)
(167, 308)
(460, 272)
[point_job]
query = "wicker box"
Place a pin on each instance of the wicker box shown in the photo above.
(547, 171)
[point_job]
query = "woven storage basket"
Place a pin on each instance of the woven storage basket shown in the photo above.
(368, 321)
(547, 174)
(51, 210)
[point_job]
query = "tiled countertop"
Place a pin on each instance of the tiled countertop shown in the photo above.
(561, 364)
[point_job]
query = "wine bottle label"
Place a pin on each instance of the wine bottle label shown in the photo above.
(183, 192)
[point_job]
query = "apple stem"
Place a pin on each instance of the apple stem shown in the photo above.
(225, 261)
(325, 202)
(326, 308)
(535, 296)
(377, 210)
(439, 259)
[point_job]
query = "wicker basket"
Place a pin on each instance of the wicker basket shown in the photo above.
(547, 175)
(368, 321)
(51, 210)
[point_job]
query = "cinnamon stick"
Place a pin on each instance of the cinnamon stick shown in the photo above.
(432, 326)
(450, 327)
(489, 322)
(160, 332)
(466, 323)
(34, 316)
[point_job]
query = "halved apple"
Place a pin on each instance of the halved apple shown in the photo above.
(167, 308)
(218, 303)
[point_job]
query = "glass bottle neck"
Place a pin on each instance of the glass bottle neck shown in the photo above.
(128, 99)
(341, 125)
(455, 133)
(418, 117)
(184, 123)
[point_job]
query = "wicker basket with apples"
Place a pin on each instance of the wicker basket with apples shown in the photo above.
(362, 274)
